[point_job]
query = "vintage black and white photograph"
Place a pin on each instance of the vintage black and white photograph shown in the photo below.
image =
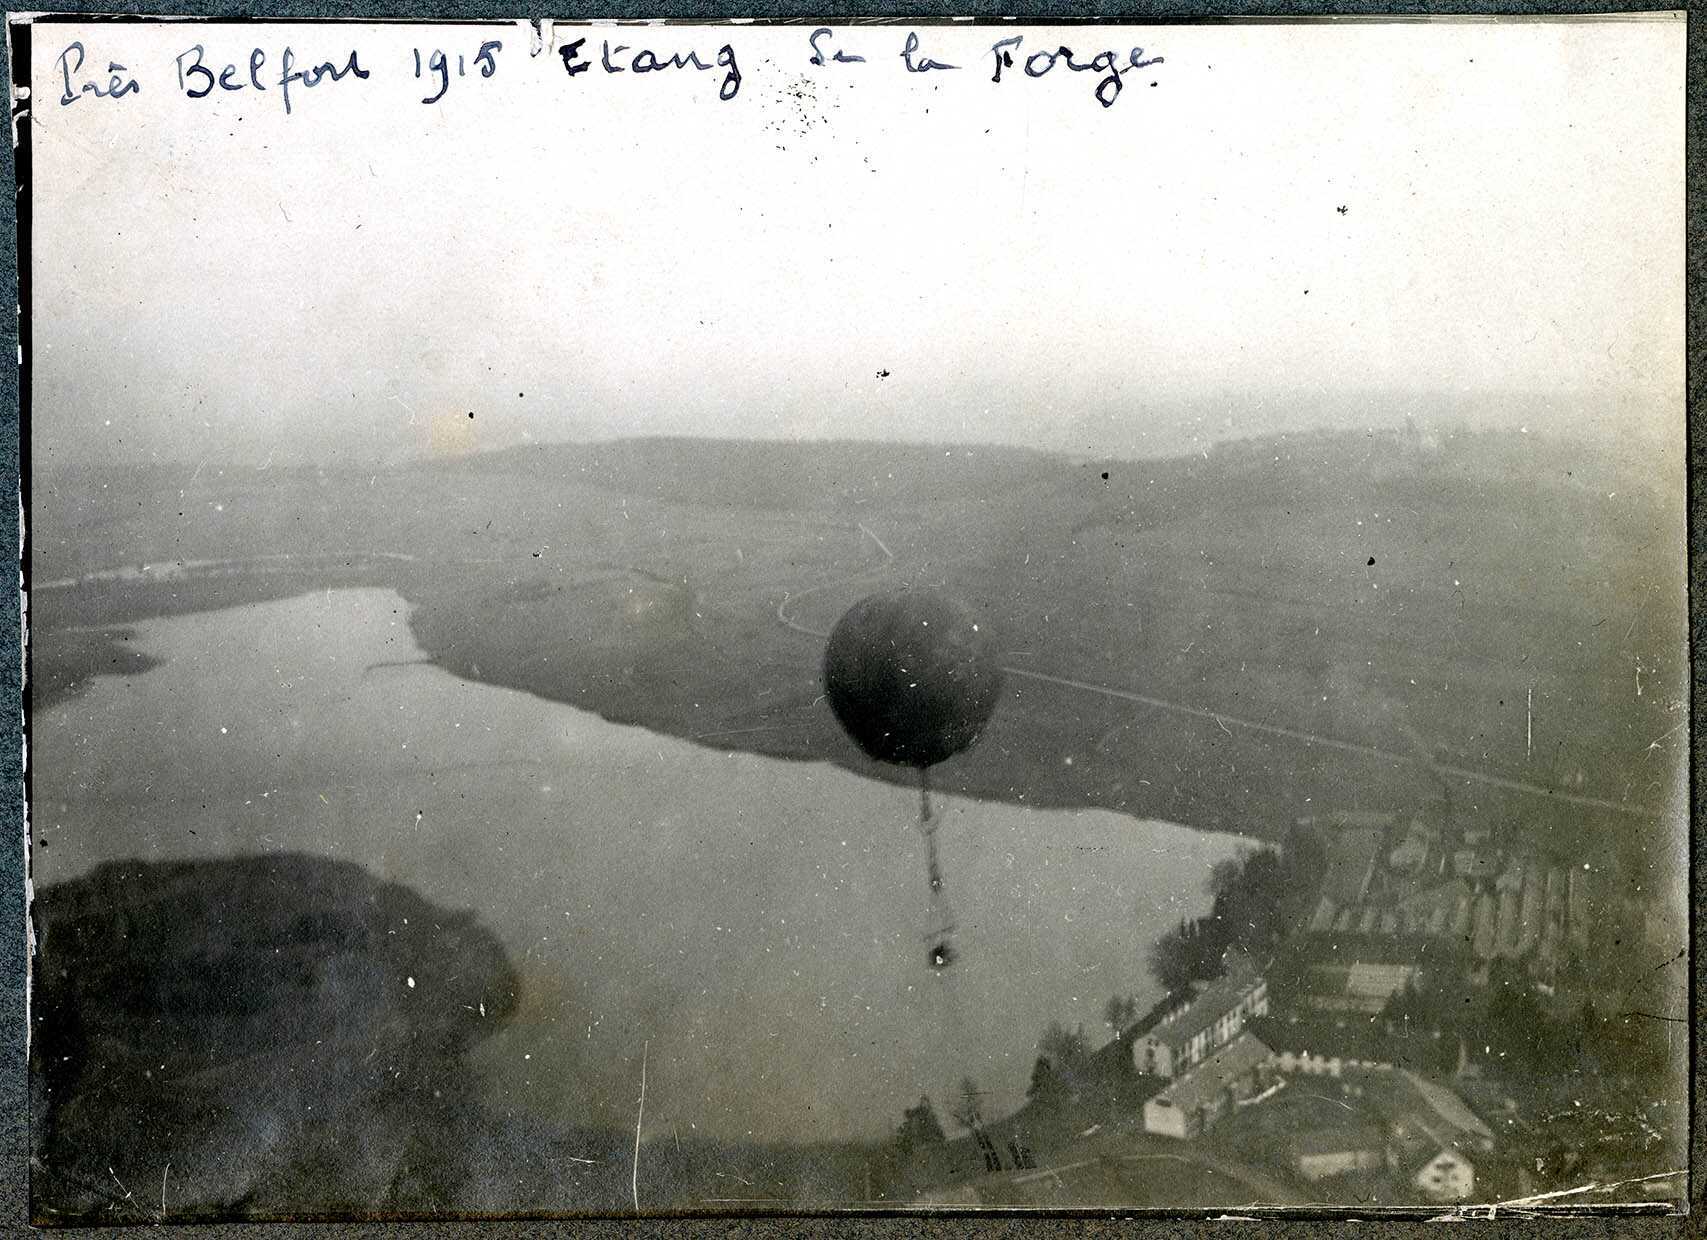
(648, 618)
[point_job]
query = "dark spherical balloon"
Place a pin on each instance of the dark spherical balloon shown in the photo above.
(911, 677)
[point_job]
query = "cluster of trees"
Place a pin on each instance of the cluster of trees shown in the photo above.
(915, 1153)
(1258, 898)
(1516, 1029)
(919, 1127)
(1062, 1057)
(1509, 1027)
(1422, 1024)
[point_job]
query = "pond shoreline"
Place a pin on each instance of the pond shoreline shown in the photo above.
(754, 922)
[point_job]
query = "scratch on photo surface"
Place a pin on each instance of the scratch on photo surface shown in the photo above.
(1519, 1203)
(639, 1118)
(1682, 952)
(1337, 1101)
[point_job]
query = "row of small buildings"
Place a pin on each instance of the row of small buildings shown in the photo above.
(1527, 911)
(1220, 1049)
(1395, 889)
(1402, 1123)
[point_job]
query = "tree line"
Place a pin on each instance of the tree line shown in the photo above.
(1258, 898)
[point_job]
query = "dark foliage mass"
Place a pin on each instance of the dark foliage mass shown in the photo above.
(1507, 1026)
(73, 657)
(240, 1039)
(264, 1034)
(919, 1127)
(1258, 898)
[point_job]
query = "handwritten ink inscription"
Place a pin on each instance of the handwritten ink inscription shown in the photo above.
(197, 81)
(644, 60)
(485, 60)
(119, 82)
(1112, 65)
(200, 74)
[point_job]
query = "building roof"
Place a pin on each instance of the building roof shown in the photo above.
(1204, 1083)
(1447, 894)
(1416, 1166)
(1336, 1139)
(1350, 818)
(1351, 857)
(1150, 1019)
(1210, 1004)
(1469, 863)
(1332, 1035)
(1449, 1107)
(1410, 854)
(1425, 1118)
(1373, 981)
(1324, 1037)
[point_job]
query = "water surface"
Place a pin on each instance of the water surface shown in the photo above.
(750, 927)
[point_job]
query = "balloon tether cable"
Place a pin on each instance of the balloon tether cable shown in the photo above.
(940, 934)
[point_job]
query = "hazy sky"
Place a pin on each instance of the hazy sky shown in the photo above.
(1297, 222)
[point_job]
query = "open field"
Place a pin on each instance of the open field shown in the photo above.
(1226, 641)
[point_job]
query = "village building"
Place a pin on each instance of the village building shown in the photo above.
(1485, 921)
(1579, 899)
(1356, 986)
(1193, 1102)
(1434, 1139)
(1441, 911)
(1475, 865)
(1322, 1046)
(1443, 1106)
(1211, 1018)
(1522, 897)
(1509, 924)
(1445, 911)
(1352, 854)
(1511, 879)
(1337, 1149)
(1534, 905)
(1411, 855)
(1550, 951)
(1448, 1176)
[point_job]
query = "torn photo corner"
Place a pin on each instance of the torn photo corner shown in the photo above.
(757, 618)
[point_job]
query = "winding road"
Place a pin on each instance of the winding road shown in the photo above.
(1226, 722)
(785, 615)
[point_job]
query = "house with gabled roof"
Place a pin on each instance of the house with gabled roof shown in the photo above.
(1211, 1018)
(1448, 1176)
(1434, 1139)
(1198, 1098)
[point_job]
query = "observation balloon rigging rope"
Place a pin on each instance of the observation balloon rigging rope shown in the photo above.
(939, 936)
(942, 916)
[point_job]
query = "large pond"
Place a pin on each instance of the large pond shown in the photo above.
(751, 927)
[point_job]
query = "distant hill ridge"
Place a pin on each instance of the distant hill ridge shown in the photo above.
(791, 475)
